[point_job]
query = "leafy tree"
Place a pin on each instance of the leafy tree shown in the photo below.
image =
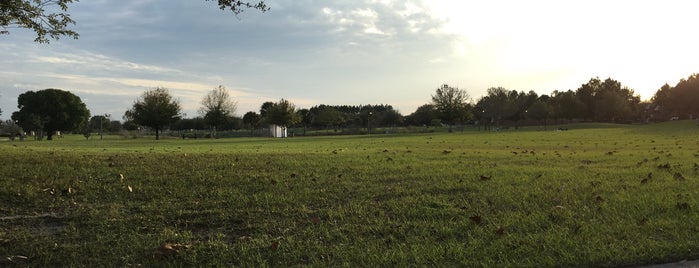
(252, 120)
(115, 126)
(493, 106)
(100, 123)
(35, 15)
(391, 118)
(217, 108)
(156, 109)
(50, 110)
(452, 105)
(685, 97)
(423, 115)
(539, 110)
(306, 118)
(282, 113)
(566, 105)
(607, 100)
(266, 106)
(11, 130)
(328, 116)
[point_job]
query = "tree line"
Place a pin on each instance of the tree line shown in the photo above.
(49, 111)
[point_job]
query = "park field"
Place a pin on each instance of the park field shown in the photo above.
(595, 195)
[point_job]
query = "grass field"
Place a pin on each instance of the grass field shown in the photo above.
(596, 195)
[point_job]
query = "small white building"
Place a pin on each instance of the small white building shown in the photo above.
(276, 131)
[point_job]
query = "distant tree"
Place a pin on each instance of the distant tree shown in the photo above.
(391, 118)
(217, 108)
(264, 108)
(328, 116)
(252, 120)
(115, 126)
(539, 110)
(685, 97)
(36, 15)
(306, 118)
(494, 106)
(452, 105)
(156, 109)
(566, 105)
(10, 129)
(282, 113)
(423, 115)
(100, 123)
(50, 110)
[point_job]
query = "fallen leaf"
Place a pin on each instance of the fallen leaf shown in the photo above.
(501, 230)
(476, 219)
(682, 206)
(130, 189)
(274, 245)
(485, 178)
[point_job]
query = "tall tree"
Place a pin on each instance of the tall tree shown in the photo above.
(217, 108)
(328, 116)
(51, 17)
(50, 110)
(423, 115)
(452, 105)
(156, 109)
(252, 120)
(282, 113)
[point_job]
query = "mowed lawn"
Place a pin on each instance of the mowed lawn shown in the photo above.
(595, 195)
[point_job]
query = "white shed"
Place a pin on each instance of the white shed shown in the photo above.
(276, 131)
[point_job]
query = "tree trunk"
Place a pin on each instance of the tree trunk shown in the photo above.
(49, 135)
(157, 134)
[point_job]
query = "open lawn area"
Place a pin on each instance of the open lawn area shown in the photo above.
(595, 195)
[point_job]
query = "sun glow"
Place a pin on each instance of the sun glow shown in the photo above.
(558, 43)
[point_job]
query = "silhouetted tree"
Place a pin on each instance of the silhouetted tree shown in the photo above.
(156, 108)
(217, 108)
(36, 15)
(452, 105)
(50, 110)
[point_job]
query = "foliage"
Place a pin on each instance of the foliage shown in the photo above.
(100, 123)
(10, 129)
(598, 195)
(156, 108)
(252, 119)
(50, 110)
(217, 108)
(281, 113)
(33, 14)
(452, 104)
(679, 101)
(327, 116)
(36, 15)
(237, 6)
(423, 115)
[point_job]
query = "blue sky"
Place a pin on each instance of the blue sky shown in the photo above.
(350, 52)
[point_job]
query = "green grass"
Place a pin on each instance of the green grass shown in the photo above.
(596, 195)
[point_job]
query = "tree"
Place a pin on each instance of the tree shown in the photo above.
(35, 15)
(328, 116)
(282, 113)
(452, 105)
(50, 110)
(156, 109)
(11, 130)
(423, 115)
(252, 120)
(306, 118)
(539, 110)
(101, 123)
(115, 126)
(217, 108)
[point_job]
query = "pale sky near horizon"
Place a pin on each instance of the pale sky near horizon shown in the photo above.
(350, 52)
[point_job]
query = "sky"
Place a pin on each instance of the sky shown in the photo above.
(350, 52)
